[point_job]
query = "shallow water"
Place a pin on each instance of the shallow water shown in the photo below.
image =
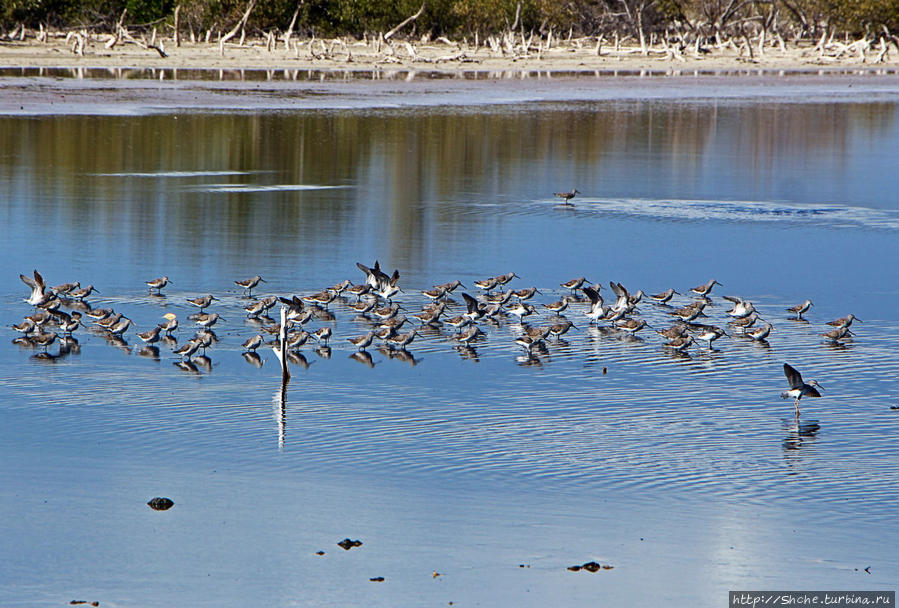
(687, 473)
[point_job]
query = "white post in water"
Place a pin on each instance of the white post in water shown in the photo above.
(282, 351)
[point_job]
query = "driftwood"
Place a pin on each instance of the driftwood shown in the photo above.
(238, 28)
(405, 22)
(177, 33)
(293, 22)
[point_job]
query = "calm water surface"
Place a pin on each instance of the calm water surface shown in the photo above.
(686, 473)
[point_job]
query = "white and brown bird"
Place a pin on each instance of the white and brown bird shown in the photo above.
(798, 388)
(567, 196)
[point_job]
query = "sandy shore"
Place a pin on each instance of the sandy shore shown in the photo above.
(338, 55)
(44, 79)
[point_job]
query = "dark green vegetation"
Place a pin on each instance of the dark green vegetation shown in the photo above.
(695, 19)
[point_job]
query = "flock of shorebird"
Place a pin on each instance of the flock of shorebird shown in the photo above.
(372, 301)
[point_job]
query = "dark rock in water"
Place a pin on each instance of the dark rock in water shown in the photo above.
(377, 579)
(161, 504)
(589, 567)
(349, 544)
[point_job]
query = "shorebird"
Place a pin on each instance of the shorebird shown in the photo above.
(690, 312)
(158, 284)
(61, 290)
(251, 344)
(538, 333)
(567, 196)
(434, 294)
(458, 322)
(44, 339)
(486, 284)
(389, 289)
(374, 277)
(527, 343)
(151, 336)
(631, 326)
(525, 294)
(760, 334)
(678, 330)
(505, 278)
(560, 329)
(746, 322)
(98, 313)
(362, 342)
(26, 327)
(80, 294)
(705, 290)
(322, 335)
(710, 333)
(449, 287)
(844, 321)
(297, 339)
(364, 307)
(469, 335)
(117, 329)
(475, 310)
(521, 310)
(107, 322)
(560, 306)
(386, 312)
(665, 296)
(70, 323)
(206, 320)
(202, 302)
(339, 288)
(322, 298)
(623, 297)
(170, 324)
(254, 309)
(39, 292)
(835, 335)
(501, 297)
(597, 310)
(574, 284)
(799, 309)
(187, 349)
(249, 284)
(359, 290)
(742, 308)
(798, 388)
(403, 340)
(680, 344)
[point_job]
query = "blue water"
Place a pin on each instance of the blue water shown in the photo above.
(688, 474)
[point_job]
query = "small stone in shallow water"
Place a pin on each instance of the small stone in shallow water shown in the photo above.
(161, 504)
(349, 544)
(590, 567)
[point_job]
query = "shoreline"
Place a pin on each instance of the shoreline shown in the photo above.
(48, 79)
(340, 55)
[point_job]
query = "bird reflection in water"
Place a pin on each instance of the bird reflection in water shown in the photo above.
(799, 433)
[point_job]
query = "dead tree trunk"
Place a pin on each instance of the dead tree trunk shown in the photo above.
(293, 22)
(405, 22)
(178, 26)
(239, 27)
